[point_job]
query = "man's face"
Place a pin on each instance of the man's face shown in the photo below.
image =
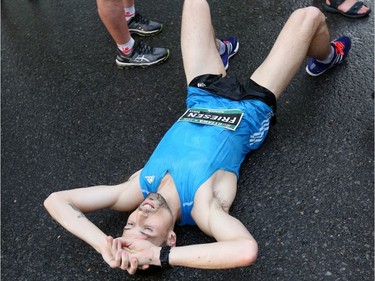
(151, 221)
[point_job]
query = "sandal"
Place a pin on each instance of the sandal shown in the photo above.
(351, 13)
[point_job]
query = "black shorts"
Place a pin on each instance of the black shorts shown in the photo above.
(230, 88)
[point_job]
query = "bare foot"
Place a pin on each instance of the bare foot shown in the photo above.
(347, 4)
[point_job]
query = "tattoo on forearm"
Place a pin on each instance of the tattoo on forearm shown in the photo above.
(80, 214)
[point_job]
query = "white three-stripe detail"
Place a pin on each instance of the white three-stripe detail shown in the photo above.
(257, 137)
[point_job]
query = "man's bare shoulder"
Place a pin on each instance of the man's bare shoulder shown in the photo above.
(135, 177)
(128, 194)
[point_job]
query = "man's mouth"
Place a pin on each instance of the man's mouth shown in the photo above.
(149, 205)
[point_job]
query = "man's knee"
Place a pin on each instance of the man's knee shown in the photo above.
(196, 9)
(309, 14)
(196, 3)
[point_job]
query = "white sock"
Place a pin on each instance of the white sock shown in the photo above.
(126, 48)
(330, 56)
(129, 12)
(222, 47)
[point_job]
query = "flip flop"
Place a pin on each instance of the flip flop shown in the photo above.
(351, 13)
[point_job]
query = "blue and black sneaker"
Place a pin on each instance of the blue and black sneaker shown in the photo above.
(231, 48)
(341, 47)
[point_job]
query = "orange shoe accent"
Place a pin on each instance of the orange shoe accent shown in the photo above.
(339, 47)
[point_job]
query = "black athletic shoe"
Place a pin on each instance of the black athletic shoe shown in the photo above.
(142, 26)
(142, 55)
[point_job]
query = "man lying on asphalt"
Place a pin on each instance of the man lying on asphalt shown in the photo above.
(191, 177)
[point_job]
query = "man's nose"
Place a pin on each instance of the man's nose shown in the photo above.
(143, 212)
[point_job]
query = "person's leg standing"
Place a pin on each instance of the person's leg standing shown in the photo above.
(112, 15)
(129, 52)
(198, 44)
(305, 33)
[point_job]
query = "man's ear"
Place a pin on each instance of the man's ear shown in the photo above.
(172, 238)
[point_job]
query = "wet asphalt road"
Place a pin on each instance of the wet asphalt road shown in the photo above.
(70, 118)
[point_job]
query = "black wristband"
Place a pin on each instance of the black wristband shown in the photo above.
(164, 257)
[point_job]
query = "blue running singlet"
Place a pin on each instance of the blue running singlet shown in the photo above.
(191, 153)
